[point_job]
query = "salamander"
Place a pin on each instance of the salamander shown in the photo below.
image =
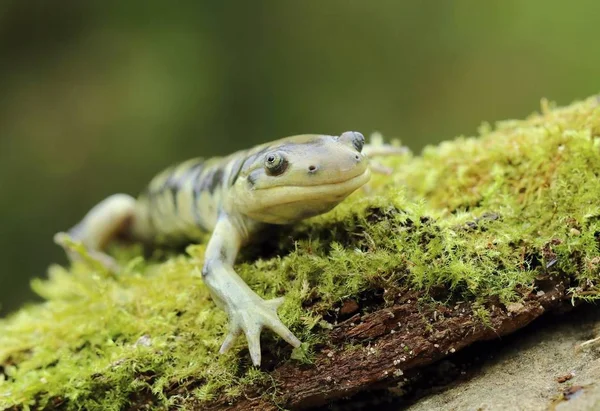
(233, 197)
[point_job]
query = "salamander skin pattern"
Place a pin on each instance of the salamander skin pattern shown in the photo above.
(233, 197)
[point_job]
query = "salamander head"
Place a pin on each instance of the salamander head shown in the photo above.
(301, 176)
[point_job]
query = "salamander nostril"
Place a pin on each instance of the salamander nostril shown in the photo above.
(312, 169)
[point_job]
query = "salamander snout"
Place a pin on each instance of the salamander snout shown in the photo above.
(335, 157)
(354, 138)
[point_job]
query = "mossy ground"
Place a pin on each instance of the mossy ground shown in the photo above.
(481, 218)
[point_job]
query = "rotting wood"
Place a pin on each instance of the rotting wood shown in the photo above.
(395, 340)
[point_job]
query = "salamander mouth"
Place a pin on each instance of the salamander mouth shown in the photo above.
(358, 179)
(339, 183)
(326, 192)
(283, 204)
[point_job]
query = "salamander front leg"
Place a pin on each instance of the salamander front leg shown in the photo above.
(100, 225)
(248, 313)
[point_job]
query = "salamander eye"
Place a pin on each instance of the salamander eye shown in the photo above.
(353, 137)
(275, 164)
(358, 142)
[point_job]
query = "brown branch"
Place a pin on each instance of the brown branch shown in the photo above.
(392, 342)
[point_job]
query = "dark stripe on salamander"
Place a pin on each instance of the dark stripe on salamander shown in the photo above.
(198, 187)
(174, 182)
(209, 180)
(235, 169)
(216, 180)
(203, 179)
(251, 179)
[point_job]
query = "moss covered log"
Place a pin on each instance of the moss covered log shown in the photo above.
(472, 239)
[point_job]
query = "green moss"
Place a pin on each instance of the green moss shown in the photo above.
(481, 218)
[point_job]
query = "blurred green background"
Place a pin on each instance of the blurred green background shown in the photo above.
(96, 97)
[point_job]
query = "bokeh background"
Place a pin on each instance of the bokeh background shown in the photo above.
(96, 97)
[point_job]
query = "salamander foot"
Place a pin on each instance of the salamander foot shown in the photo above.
(250, 318)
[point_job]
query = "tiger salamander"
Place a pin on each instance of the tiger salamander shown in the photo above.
(233, 197)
